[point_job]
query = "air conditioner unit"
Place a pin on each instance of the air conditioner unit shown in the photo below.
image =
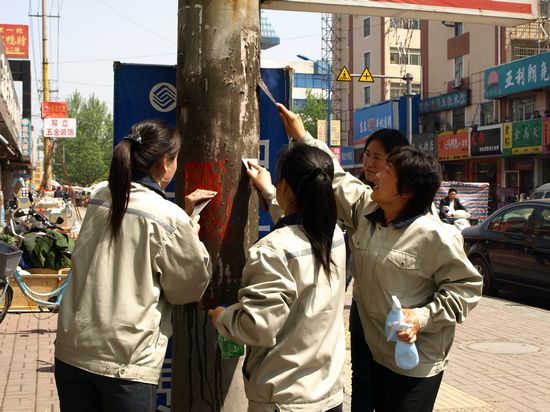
(457, 82)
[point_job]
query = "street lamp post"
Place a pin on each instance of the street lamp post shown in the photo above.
(301, 56)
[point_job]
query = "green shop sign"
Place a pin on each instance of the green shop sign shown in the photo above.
(522, 137)
(518, 76)
(447, 101)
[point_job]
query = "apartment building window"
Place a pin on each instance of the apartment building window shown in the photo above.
(366, 90)
(366, 59)
(401, 23)
(521, 108)
(459, 29)
(398, 89)
(459, 67)
(407, 56)
(309, 80)
(487, 113)
(366, 27)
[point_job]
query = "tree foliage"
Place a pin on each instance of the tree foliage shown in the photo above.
(88, 156)
(314, 109)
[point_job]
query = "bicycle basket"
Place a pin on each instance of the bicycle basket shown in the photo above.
(9, 259)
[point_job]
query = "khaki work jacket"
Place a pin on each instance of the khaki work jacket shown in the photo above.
(115, 318)
(290, 315)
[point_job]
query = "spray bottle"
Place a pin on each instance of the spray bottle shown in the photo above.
(406, 354)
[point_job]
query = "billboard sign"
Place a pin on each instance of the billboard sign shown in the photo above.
(523, 137)
(427, 142)
(529, 73)
(486, 140)
(453, 146)
(368, 120)
(494, 12)
(16, 40)
(59, 128)
(448, 101)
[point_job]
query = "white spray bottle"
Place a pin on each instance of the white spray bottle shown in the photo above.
(406, 354)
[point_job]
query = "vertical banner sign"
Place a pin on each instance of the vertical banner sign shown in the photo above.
(507, 138)
(335, 132)
(546, 138)
(322, 130)
(26, 138)
(149, 91)
(16, 40)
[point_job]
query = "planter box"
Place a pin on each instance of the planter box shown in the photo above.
(40, 280)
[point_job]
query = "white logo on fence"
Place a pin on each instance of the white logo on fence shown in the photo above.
(163, 97)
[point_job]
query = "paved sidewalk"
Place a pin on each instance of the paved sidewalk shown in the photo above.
(500, 361)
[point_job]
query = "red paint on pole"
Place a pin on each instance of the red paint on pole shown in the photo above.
(214, 218)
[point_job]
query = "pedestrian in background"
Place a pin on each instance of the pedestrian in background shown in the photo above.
(290, 308)
(450, 204)
(399, 248)
(137, 254)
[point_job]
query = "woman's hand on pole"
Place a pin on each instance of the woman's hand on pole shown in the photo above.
(259, 177)
(199, 195)
(292, 122)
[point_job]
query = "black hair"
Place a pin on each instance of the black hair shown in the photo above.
(137, 154)
(309, 172)
(419, 174)
(452, 189)
(389, 138)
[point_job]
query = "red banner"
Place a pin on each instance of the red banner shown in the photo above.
(16, 40)
(546, 135)
(54, 109)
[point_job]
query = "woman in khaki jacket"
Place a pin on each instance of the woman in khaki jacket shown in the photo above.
(290, 309)
(137, 254)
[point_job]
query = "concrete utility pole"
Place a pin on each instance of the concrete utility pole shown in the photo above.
(218, 117)
(47, 178)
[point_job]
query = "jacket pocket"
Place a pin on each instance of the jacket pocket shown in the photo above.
(403, 274)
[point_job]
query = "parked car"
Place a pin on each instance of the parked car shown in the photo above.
(542, 192)
(511, 248)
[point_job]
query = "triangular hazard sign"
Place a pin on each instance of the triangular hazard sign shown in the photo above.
(366, 76)
(344, 75)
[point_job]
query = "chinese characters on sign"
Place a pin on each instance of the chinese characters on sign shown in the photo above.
(485, 141)
(447, 101)
(425, 142)
(453, 146)
(523, 137)
(368, 120)
(518, 76)
(26, 138)
(16, 40)
(59, 128)
(54, 109)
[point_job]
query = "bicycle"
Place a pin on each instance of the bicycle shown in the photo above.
(9, 261)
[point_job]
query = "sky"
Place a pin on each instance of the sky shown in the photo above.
(90, 35)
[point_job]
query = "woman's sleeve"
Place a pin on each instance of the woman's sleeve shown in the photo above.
(458, 285)
(265, 300)
(352, 195)
(184, 266)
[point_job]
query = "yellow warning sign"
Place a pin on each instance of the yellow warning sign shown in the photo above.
(344, 75)
(366, 76)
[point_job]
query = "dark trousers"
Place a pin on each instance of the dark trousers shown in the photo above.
(375, 387)
(83, 391)
(338, 408)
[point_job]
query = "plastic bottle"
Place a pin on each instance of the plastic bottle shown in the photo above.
(228, 348)
(406, 354)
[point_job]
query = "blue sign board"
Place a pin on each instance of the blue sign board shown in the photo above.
(368, 120)
(346, 156)
(518, 76)
(415, 101)
(447, 101)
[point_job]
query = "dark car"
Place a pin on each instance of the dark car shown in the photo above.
(511, 248)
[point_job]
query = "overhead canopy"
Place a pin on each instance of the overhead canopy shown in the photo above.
(494, 12)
